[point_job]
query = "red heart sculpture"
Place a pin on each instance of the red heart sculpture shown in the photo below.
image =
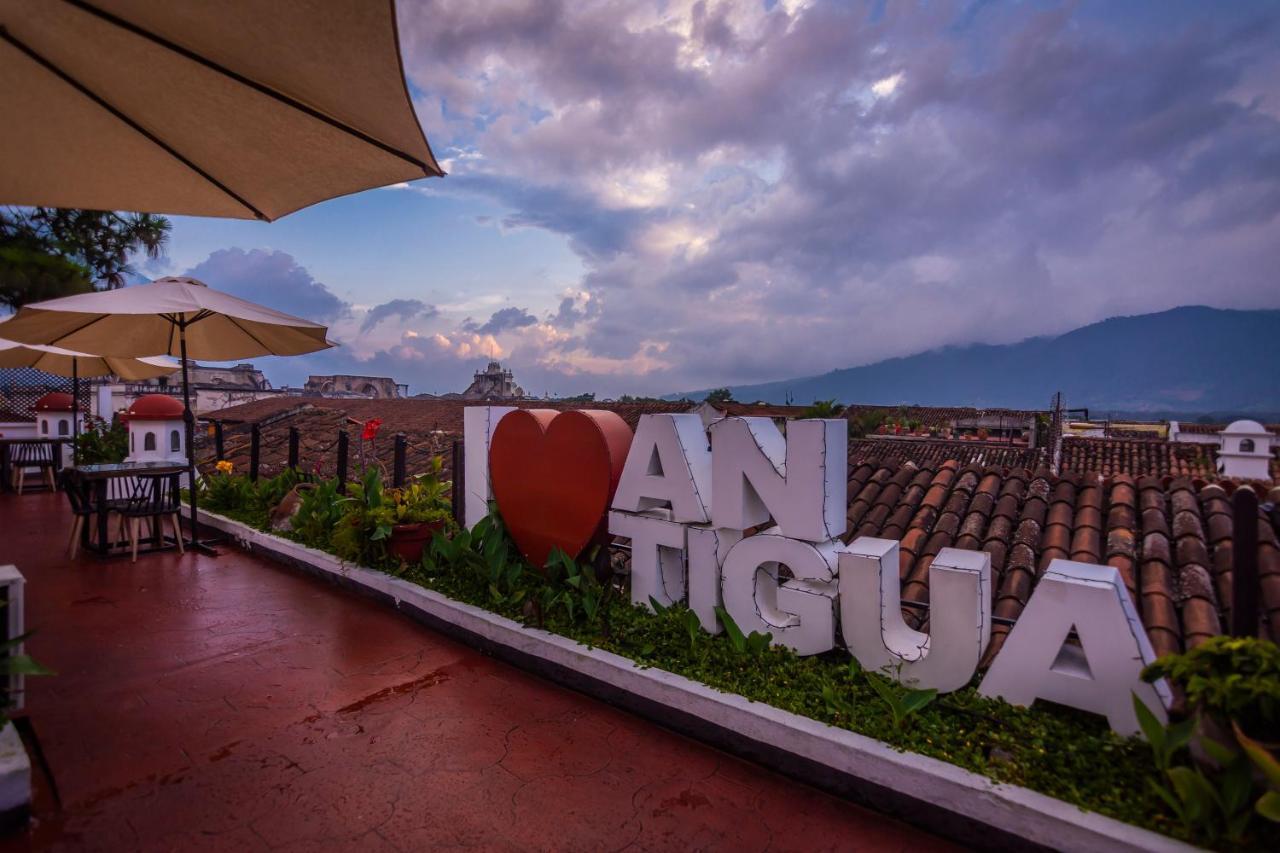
(554, 474)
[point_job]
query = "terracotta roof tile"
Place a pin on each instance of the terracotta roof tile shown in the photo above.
(932, 452)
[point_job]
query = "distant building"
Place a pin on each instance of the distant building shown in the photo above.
(492, 383)
(212, 388)
(368, 387)
(1245, 453)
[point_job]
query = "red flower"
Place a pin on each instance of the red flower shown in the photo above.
(371, 428)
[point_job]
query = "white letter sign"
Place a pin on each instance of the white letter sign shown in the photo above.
(657, 557)
(959, 614)
(1036, 662)
(669, 466)
(799, 481)
(478, 424)
(800, 613)
(706, 552)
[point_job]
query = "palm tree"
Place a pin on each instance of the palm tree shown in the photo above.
(47, 251)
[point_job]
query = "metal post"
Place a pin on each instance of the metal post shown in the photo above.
(255, 451)
(344, 447)
(1244, 572)
(458, 495)
(398, 466)
(293, 448)
(75, 409)
(218, 446)
(189, 421)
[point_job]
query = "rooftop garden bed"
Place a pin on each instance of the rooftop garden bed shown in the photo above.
(1169, 785)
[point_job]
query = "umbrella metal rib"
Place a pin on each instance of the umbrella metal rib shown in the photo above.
(251, 83)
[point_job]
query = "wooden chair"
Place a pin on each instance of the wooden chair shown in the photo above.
(155, 497)
(25, 455)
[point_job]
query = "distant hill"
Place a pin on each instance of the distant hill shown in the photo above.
(1183, 361)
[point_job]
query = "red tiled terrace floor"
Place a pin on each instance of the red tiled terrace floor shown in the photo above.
(228, 704)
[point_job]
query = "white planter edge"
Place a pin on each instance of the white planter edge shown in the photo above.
(1024, 817)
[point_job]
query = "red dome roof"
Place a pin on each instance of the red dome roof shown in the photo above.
(54, 401)
(154, 407)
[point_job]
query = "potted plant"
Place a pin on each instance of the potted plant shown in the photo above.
(415, 513)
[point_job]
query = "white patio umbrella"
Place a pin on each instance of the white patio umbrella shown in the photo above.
(242, 108)
(178, 316)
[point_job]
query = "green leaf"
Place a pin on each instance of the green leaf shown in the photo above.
(1260, 756)
(692, 625)
(1174, 804)
(1219, 752)
(1235, 785)
(1151, 729)
(1178, 735)
(917, 699)
(382, 532)
(1268, 806)
(1197, 795)
(881, 686)
(23, 665)
(658, 606)
(731, 628)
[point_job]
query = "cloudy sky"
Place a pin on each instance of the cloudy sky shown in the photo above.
(651, 197)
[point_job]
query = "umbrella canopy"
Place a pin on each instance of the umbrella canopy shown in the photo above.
(242, 108)
(63, 362)
(148, 319)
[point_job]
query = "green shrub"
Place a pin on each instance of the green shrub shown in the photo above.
(102, 442)
(1230, 679)
(318, 513)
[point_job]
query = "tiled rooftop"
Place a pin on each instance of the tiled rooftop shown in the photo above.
(1214, 429)
(1169, 538)
(936, 417)
(1138, 457)
(755, 410)
(930, 451)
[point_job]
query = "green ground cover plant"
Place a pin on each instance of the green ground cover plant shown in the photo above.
(1067, 754)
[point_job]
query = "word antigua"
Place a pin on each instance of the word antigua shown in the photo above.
(686, 504)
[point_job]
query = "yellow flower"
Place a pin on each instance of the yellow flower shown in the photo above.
(225, 466)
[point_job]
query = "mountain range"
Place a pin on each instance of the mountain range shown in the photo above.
(1188, 360)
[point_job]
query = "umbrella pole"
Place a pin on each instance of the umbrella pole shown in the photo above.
(189, 422)
(75, 408)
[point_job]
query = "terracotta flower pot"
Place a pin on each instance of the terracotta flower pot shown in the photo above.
(407, 541)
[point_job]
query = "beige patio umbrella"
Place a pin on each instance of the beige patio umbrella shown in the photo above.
(63, 362)
(177, 315)
(240, 108)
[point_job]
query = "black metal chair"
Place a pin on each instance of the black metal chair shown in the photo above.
(82, 507)
(25, 455)
(155, 497)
